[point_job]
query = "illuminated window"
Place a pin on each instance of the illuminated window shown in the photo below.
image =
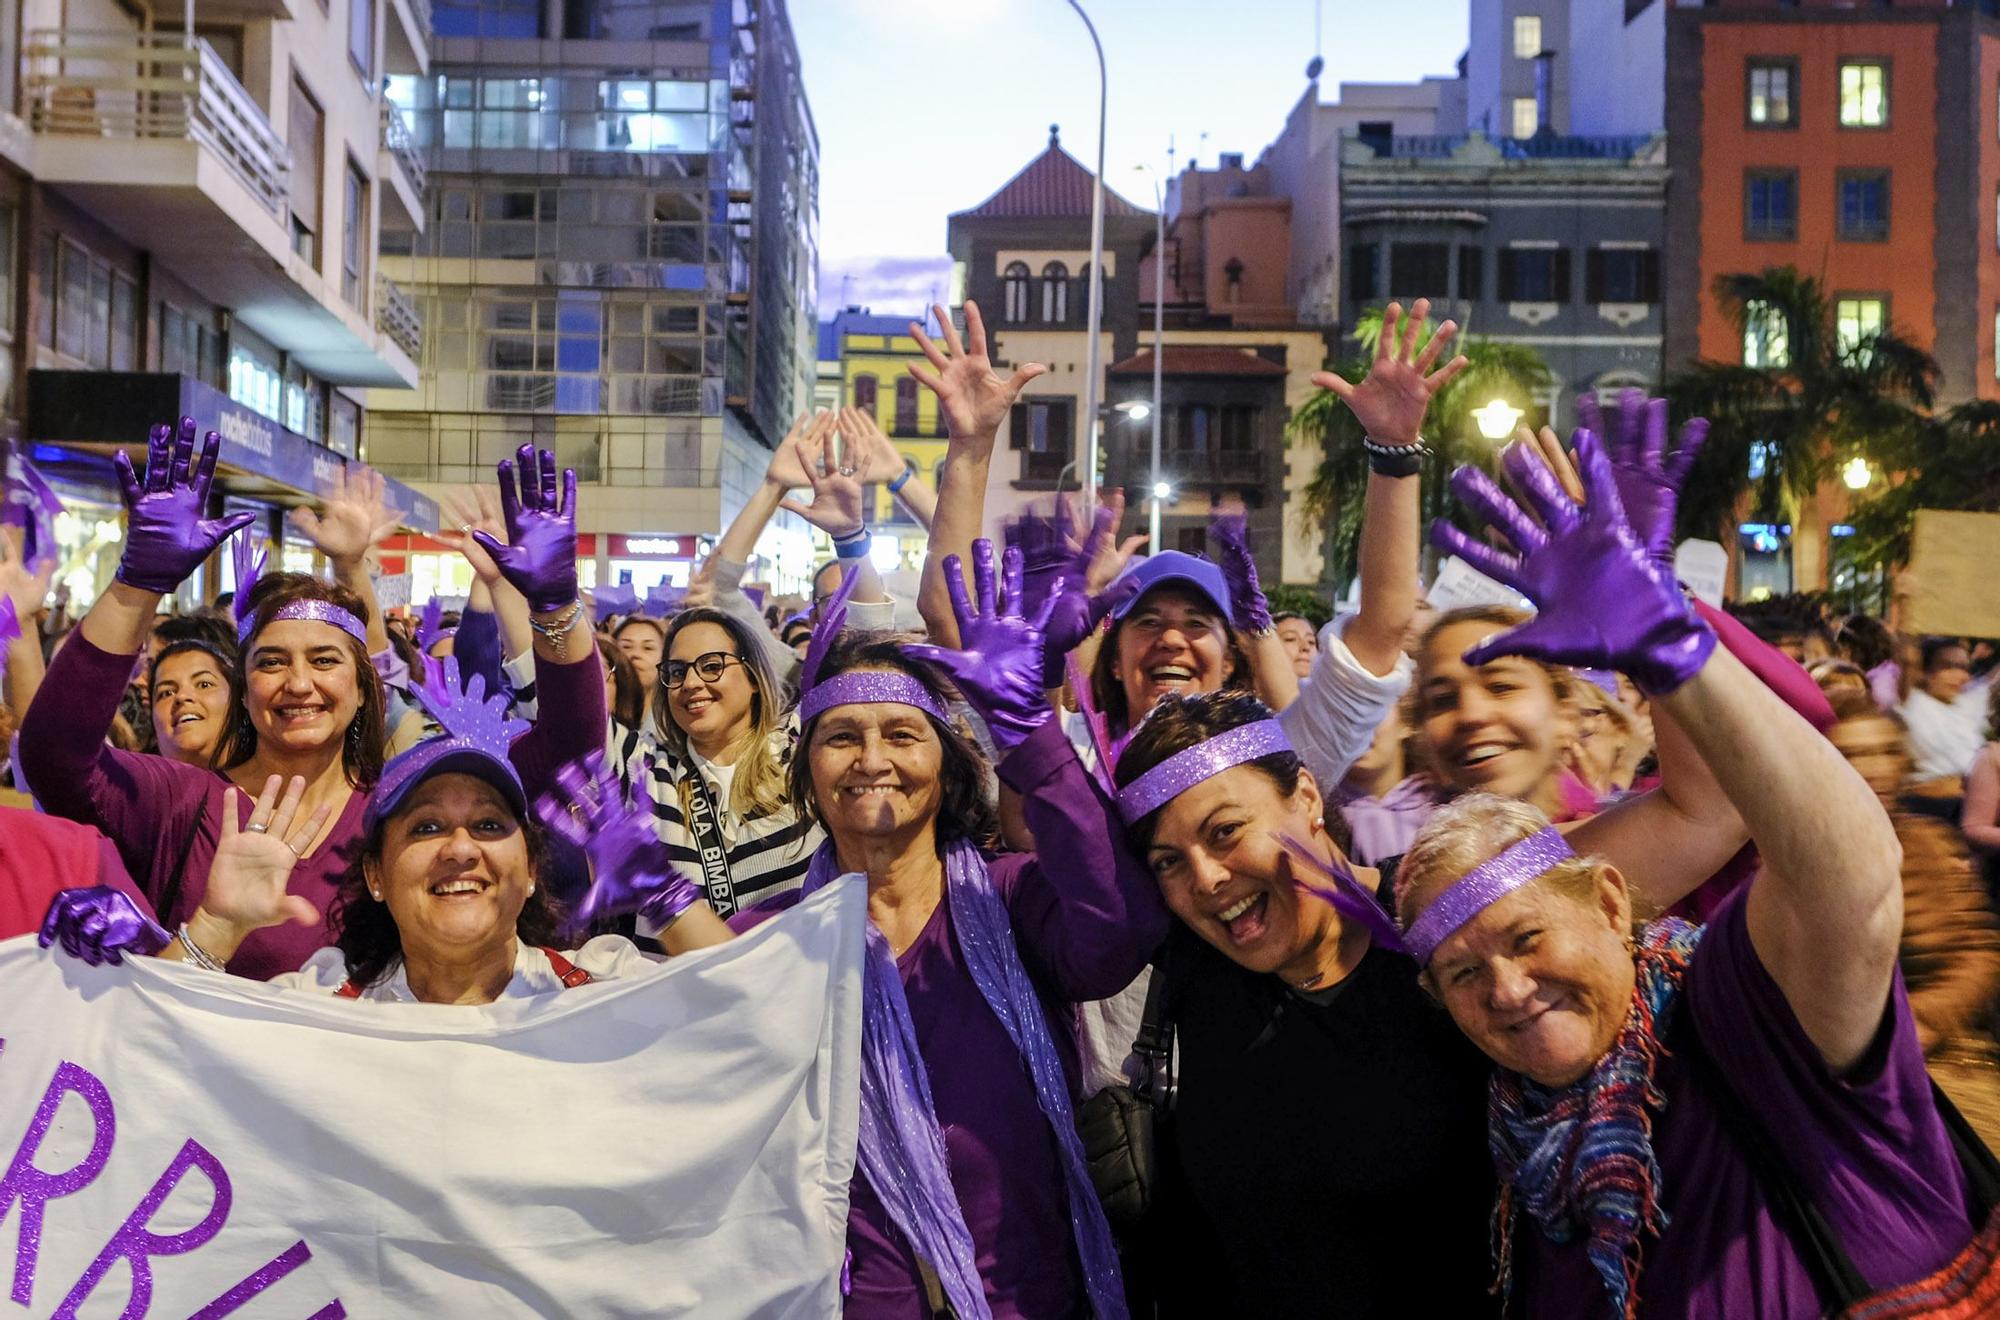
(1767, 340)
(1856, 320)
(1772, 88)
(1527, 36)
(1864, 95)
(1527, 117)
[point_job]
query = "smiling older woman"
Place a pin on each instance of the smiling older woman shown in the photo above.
(305, 700)
(1634, 1181)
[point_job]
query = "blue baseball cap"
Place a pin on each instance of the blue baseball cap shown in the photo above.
(1174, 568)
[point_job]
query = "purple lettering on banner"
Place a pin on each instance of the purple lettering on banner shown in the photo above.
(333, 1310)
(34, 1188)
(137, 1244)
(263, 1277)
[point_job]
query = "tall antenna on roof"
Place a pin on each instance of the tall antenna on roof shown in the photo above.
(1316, 65)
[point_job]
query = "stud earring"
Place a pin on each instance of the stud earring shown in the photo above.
(375, 894)
(531, 891)
(1319, 822)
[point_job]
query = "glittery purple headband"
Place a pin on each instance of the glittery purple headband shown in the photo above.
(319, 611)
(1484, 885)
(1205, 760)
(861, 686)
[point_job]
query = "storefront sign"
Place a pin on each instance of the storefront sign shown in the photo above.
(654, 547)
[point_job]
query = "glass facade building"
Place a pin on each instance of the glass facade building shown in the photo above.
(621, 254)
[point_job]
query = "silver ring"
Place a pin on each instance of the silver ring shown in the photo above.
(846, 471)
(295, 852)
(255, 828)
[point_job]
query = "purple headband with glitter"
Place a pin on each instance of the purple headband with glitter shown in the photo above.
(858, 686)
(1205, 760)
(1484, 885)
(319, 611)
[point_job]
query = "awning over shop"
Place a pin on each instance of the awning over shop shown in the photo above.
(102, 411)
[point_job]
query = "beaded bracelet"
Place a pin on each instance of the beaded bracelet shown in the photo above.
(1395, 460)
(556, 631)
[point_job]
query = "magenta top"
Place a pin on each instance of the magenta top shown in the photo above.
(166, 818)
(1085, 925)
(1881, 1163)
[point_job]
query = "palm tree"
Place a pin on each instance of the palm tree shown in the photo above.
(1804, 403)
(1333, 499)
(1944, 463)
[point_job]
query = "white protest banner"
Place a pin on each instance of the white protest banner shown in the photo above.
(1459, 584)
(1704, 567)
(392, 591)
(178, 1143)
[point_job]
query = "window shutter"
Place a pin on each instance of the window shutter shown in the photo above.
(1561, 291)
(1471, 273)
(1509, 276)
(1017, 426)
(1649, 275)
(1593, 275)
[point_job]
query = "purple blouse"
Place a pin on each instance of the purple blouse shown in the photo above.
(166, 818)
(1881, 1164)
(1084, 927)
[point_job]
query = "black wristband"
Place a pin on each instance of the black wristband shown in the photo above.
(1395, 460)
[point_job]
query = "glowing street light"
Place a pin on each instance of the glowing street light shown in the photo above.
(1497, 419)
(1857, 473)
(1162, 491)
(1139, 412)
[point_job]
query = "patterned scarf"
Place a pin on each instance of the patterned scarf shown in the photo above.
(1579, 1158)
(902, 1151)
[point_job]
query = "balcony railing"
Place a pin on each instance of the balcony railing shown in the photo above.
(421, 11)
(1543, 146)
(1208, 467)
(400, 144)
(397, 317)
(150, 87)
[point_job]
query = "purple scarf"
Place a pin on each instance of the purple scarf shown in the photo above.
(902, 1152)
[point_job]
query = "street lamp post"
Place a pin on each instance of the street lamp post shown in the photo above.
(1096, 317)
(1159, 351)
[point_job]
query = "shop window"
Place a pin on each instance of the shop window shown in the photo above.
(1014, 291)
(1864, 94)
(1861, 207)
(1767, 339)
(1770, 205)
(254, 380)
(1772, 86)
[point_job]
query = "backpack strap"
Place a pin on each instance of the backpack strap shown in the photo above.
(566, 971)
(1155, 1042)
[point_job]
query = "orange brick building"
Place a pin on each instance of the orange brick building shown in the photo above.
(1859, 145)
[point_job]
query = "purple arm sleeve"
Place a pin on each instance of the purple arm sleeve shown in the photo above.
(1086, 911)
(1773, 668)
(569, 723)
(477, 646)
(142, 803)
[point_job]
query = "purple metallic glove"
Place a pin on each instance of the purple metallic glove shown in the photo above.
(1649, 479)
(1077, 613)
(99, 924)
(1048, 545)
(539, 559)
(999, 668)
(630, 870)
(1604, 604)
(1248, 609)
(166, 535)
(430, 625)
(249, 555)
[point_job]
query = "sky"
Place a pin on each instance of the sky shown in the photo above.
(926, 107)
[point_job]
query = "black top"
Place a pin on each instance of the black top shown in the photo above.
(1328, 1153)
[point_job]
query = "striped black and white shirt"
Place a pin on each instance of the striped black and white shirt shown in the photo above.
(766, 852)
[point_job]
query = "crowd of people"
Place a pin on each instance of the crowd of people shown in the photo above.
(1605, 956)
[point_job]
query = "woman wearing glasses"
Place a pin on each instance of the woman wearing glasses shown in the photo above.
(722, 747)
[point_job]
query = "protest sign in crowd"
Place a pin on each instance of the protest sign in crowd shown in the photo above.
(1078, 938)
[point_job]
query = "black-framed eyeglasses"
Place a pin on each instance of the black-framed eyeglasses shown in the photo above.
(708, 668)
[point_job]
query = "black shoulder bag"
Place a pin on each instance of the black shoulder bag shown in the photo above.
(1967, 1286)
(1118, 1124)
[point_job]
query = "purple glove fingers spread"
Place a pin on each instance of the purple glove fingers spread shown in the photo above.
(540, 561)
(1646, 419)
(1013, 584)
(1496, 564)
(1603, 602)
(166, 535)
(183, 460)
(999, 660)
(1694, 434)
(982, 574)
(1558, 511)
(1477, 492)
(1249, 611)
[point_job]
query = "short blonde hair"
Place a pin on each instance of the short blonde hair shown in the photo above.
(1467, 831)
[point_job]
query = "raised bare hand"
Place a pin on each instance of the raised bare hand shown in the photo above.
(253, 863)
(353, 518)
(470, 509)
(1391, 400)
(973, 396)
(836, 501)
